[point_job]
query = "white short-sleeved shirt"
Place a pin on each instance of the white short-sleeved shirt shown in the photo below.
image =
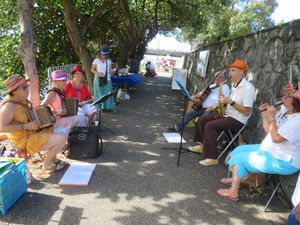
(288, 127)
(244, 95)
(101, 66)
(213, 98)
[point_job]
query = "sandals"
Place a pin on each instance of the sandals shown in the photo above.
(226, 181)
(224, 193)
(59, 162)
(53, 166)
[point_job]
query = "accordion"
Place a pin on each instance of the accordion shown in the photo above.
(43, 115)
(71, 106)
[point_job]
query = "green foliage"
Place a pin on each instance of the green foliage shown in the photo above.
(235, 18)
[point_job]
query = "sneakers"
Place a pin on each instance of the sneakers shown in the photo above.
(197, 148)
(209, 162)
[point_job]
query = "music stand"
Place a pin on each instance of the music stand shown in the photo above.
(187, 96)
(99, 101)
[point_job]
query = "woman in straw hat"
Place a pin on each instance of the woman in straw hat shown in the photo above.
(14, 120)
(77, 89)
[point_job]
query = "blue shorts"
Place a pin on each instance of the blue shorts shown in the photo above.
(249, 159)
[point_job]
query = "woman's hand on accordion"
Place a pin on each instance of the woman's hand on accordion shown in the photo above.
(31, 125)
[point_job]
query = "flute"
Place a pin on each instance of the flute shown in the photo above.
(275, 105)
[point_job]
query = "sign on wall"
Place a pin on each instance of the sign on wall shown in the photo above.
(180, 75)
(202, 63)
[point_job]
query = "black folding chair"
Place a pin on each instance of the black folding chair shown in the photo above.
(230, 136)
(277, 188)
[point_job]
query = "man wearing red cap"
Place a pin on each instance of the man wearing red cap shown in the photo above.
(238, 111)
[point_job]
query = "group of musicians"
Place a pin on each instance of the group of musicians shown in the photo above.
(25, 133)
(279, 152)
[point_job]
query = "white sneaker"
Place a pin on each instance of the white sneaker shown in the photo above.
(197, 148)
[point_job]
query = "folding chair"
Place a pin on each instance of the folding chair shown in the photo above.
(231, 137)
(277, 188)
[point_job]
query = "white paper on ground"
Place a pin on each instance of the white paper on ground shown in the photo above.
(173, 138)
(78, 174)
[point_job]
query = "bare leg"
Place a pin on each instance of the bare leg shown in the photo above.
(90, 119)
(236, 182)
(54, 145)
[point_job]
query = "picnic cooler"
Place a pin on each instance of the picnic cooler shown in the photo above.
(12, 183)
(85, 143)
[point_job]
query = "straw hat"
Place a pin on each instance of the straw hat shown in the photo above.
(13, 82)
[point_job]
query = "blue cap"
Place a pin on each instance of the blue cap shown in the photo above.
(104, 51)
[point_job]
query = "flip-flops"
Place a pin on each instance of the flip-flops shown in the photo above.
(225, 194)
(226, 181)
(53, 166)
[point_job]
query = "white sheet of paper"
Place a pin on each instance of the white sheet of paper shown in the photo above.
(173, 138)
(78, 174)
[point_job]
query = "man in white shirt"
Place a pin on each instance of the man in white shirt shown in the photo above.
(207, 105)
(238, 111)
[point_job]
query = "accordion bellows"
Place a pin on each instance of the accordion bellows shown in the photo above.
(71, 106)
(43, 115)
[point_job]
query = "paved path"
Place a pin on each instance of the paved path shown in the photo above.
(136, 181)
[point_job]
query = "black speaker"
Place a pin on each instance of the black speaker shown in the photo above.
(85, 143)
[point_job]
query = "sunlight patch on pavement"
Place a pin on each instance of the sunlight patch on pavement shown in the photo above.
(151, 153)
(151, 162)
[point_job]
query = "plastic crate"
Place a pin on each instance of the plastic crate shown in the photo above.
(12, 184)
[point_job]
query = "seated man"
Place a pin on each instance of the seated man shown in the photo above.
(55, 98)
(279, 153)
(14, 120)
(238, 111)
(207, 105)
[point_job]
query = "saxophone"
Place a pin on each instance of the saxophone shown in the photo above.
(219, 110)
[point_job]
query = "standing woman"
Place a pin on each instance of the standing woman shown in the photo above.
(102, 69)
(77, 89)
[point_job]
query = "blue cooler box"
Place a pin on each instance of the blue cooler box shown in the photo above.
(12, 184)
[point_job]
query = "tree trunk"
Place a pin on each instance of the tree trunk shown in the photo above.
(77, 40)
(27, 49)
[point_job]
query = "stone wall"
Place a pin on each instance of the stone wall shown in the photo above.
(268, 54)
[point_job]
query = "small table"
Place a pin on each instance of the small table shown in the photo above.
(126, 81)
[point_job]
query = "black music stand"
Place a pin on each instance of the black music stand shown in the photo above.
(99, 101)
(181, 149)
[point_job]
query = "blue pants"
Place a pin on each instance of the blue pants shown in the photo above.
(250, 159)
(292, 218)
(189, 116)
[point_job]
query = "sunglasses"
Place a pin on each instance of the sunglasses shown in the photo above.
(25, 87)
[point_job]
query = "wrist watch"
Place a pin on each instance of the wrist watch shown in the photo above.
(232, 103)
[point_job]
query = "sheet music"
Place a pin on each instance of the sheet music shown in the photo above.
(184, 91)
(173, 138)
(78, 174)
